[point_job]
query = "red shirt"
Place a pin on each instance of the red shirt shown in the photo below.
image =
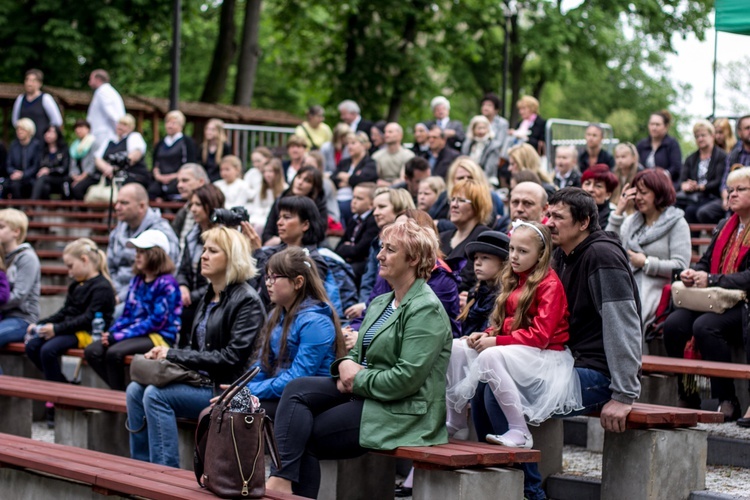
(548, 313)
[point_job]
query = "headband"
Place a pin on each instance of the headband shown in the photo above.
(518, 223)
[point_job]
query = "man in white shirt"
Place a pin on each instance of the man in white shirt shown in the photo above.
(106, 108)
(36, 105)
(393, 157)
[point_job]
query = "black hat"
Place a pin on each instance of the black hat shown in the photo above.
(489, 242)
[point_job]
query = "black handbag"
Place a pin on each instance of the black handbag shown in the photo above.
(229, 457)
(161, 373)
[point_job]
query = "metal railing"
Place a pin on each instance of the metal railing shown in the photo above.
(245, 138)
(561, 132)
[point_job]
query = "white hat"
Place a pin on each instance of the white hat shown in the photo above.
(149, 239)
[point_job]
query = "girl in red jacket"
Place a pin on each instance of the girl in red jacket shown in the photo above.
(522, 356)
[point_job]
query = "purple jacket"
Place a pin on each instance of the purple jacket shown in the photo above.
(4, 289)
(442, 281)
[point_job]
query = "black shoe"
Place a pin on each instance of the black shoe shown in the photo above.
(402, 492)
(744, 422)
(50, 417)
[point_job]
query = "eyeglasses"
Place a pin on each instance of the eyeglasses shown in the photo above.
(738, 189)
(271, 278)
(460, 201)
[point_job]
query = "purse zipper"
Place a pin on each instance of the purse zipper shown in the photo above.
(245, 490)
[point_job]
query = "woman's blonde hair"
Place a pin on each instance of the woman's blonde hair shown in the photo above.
(240, 263)
(474, 121)
(27, 124)
(526, 158)
(290, 264)
(510, 281)
(738, 174)
(730, 141)
(340, 131)
(704, 125)
(177, 115)
(85, 246)
(530, 102)
(400, 199)
(467, 164)
(221, 139)
(418, 242)
(361, 137)
(625, 177)
(128, 120)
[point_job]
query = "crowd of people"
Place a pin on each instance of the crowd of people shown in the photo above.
(464, 272)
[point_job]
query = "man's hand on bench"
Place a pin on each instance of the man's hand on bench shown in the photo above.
(613, 416)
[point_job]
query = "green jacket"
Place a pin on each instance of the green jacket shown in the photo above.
(404, 382)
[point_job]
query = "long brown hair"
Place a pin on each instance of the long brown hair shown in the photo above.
(291, 263)
(510, 282)
(221, 139)
(278, 181)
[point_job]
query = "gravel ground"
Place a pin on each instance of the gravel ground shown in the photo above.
(578, 461)
(732, 481)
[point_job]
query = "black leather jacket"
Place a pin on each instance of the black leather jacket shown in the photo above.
(231, 331)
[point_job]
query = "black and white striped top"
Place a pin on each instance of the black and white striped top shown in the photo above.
(374, 329)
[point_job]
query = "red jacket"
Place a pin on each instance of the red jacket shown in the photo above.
(548, 313)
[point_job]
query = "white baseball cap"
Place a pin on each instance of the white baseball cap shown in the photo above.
(149, 239)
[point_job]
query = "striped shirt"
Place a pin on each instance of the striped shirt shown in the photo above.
(374, 329)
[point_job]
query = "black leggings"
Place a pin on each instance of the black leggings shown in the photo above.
(714, 336)
(109, 361)
(314, 421)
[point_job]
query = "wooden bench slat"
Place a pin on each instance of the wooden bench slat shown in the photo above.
(704, 417)
(662, 364)
(33, 238)
(91, 215)
(94, 226)
(70, 204)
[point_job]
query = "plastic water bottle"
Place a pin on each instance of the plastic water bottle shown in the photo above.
(97, 327)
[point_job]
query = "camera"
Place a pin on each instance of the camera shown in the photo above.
(119, 160)
(232, 217)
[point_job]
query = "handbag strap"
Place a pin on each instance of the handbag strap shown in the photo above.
(270, 439)
(236, 387)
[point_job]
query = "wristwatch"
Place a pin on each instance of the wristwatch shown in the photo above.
(645, 263)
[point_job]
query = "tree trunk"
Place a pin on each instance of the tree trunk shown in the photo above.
(401, 80)
(216, 80)
(249, 54)
(516, 68)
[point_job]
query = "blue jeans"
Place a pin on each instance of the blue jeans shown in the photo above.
(489, 419)
(12, 330)
(152, 419)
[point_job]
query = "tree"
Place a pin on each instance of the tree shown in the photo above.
(249, 54)
(226, 46)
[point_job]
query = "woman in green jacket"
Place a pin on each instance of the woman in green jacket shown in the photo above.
(390, 390)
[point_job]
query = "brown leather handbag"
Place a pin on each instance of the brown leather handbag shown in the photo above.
(230, 446)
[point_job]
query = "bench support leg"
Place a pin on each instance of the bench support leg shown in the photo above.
(369, 477)
(654, 464)
(468, 484)
(548, 438)
(594, 434)
(16, 416)
(21, 484)
(93, 430)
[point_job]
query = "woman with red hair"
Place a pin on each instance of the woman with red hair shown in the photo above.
(600, 183)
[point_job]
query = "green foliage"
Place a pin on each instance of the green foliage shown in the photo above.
(602, 60)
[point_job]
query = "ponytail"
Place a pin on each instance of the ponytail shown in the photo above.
(85, 246)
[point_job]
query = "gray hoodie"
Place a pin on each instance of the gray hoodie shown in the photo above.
(24, 277)
(120, 258)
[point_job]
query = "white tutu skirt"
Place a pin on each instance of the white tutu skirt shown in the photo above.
(546, 381)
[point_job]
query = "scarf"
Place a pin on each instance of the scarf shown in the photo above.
(730, 247)
(81, 147)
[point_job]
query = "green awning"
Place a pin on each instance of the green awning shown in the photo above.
(733, 16)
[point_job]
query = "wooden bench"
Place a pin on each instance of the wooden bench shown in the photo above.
(663, 364)
(91, 215)
(34, 469)
(459, 470)
(55, 238)
(69, 205)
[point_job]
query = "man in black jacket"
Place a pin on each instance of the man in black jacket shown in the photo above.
(605, 324)
(349, 114)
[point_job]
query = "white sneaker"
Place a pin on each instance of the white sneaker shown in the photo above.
(503, 441)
